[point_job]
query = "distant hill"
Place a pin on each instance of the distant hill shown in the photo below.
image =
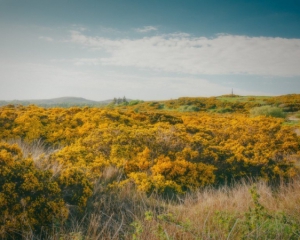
(289, 103)
(58, 102)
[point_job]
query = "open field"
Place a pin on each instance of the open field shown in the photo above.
(236, 98)
(191, 168)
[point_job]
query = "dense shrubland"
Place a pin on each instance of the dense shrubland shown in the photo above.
(106, 168)
(221, 104)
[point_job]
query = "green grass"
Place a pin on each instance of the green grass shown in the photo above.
(292, 123)
(255, 99)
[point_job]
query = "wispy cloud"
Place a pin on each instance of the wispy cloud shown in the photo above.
(182, 53)
(146, 29)
(79, 27)
(47, 39)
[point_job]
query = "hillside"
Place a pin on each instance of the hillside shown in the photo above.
(219, 104)
(289, 105)
(191, 168)
(57, 102)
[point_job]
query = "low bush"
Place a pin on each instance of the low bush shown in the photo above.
(30, 200)
(268, 111)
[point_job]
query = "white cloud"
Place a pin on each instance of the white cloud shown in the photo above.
(37, 81)
(47, 39)
(167, 87)
(86, 61)
(181, 53)
(146, 29)
(79, 27)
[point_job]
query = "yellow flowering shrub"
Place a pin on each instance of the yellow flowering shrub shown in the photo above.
(76, 188)
(29, 198)
(157, 149)
(182, 174)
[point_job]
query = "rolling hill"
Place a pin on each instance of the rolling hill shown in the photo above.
(58, 102)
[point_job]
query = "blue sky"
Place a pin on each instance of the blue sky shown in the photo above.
(148, 49)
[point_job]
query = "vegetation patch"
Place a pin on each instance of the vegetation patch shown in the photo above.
(139, 171)
(267, 111)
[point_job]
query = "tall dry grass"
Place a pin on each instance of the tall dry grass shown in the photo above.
(239, 211)
(40, 154)
(224, 214)
(206, 214)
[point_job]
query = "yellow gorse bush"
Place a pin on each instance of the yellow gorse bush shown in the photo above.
(92, 139)
(29, 198)
(156, 151)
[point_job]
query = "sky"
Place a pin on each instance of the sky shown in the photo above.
(149, 50)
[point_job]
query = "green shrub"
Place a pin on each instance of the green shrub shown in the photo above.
(267, 111)
(188, 108)
(260, 223)
(224, 110)
(134, 102)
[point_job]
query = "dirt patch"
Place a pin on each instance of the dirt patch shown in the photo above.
(293, 118)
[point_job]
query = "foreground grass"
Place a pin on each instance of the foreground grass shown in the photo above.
(243, 211)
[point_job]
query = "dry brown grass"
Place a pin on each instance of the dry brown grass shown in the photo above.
(40, 153)
(209, 213)
(220, 213)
